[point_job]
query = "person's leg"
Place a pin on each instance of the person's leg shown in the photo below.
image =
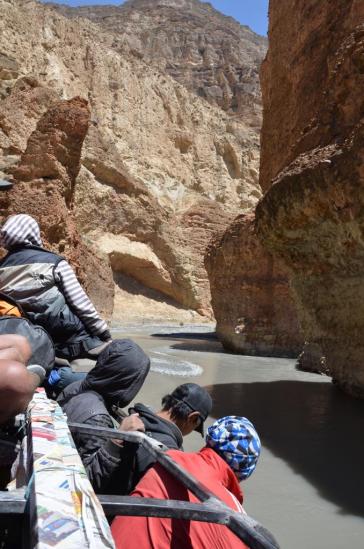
(94, 352)
(81, 346)
(61, 377)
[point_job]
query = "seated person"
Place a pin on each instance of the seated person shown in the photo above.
(17, 385)
(46, 288)
(230, 456)
(182, 412)
(120, 371)
(42, 356)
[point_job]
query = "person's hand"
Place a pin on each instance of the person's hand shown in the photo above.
(132, 423)
(105, 336)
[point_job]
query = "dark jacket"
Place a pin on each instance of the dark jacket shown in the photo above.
(158, 428)
(116, 379)
(27, 275)
(100, 456)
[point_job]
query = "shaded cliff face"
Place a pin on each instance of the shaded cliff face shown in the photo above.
(45, 175)
(251, 298)
(312, 163)
(210, 54)
(162, 170)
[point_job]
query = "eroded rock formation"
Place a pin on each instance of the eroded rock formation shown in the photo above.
(251, 298)
(312, 163)
(26, 101)
(160, 166)
(9, 72)
(44, 180)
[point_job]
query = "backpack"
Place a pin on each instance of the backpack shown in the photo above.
(9, 307)
(40, 342)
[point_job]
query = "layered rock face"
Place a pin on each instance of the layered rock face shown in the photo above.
(161, 168)
(212, 55)
(312, 163)
(45, 177)
(251, 298)
(9, 72)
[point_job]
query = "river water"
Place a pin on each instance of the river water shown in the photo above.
(308, 487)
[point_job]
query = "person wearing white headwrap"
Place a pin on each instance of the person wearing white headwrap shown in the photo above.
(47, 289)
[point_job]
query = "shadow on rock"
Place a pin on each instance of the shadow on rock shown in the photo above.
(312, 426)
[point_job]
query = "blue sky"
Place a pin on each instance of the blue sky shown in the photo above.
(253, 13)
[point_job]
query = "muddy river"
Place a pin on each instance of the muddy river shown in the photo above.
(308, 488)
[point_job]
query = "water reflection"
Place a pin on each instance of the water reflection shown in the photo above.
(313, 427)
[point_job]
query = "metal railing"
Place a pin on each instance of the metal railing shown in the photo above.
(12, 503)
(211, 508)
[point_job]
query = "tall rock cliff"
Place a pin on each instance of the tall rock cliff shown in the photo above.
(208, 53)
(251, 297)
(311, 216)
(162, 169)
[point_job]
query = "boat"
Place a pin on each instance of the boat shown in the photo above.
(51, 504)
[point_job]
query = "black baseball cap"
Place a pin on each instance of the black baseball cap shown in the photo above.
(197, 399)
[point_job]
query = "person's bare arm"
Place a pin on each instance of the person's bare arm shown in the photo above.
(17, 386)
(14, 347)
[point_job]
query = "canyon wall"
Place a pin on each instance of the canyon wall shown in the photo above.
(312, 167)
(162, 170)
(251, 298)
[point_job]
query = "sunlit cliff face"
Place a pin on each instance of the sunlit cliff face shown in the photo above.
(162, 166)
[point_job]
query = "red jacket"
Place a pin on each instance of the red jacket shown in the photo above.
(161, 533)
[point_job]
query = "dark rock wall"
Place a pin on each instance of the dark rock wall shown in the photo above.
(312, 164)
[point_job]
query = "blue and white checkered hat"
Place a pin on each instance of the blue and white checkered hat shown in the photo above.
(237, 442)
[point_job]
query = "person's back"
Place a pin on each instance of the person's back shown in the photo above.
(154, 533)
(47, 289)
